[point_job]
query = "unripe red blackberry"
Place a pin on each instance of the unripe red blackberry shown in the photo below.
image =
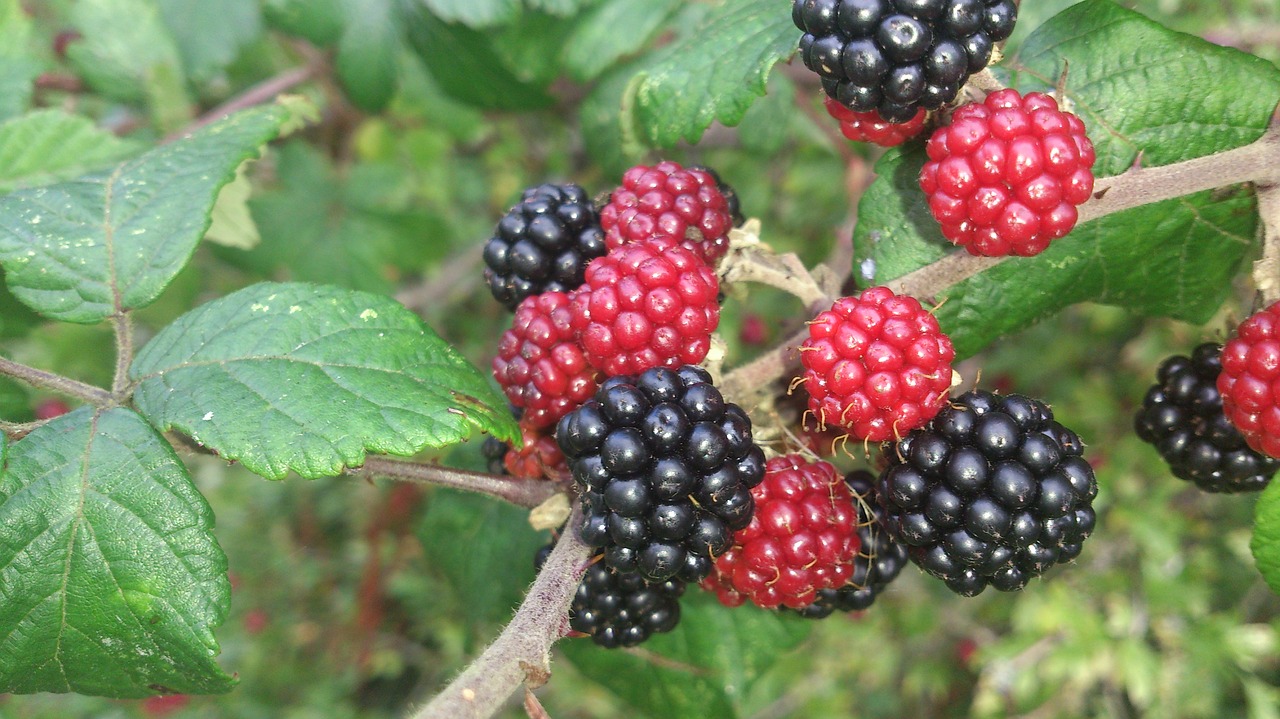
(540, 365)
(879, 561)
(870, 127)
(895, 56)
(876, 364)
(650, 303)
(1182, 417)
(672, 201)
(621, 610)
(992, 491)
(543, 244)
(1005, 177)
(1250, 380)
(802, 538)
(537, 457)
(665, 469)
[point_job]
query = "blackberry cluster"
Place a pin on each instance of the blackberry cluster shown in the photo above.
(879, 561)
(896, 56)
(665, 467)
(732, 204)
(992, 491)
(621, 610)
(1250, 380)
(1182, 417)
(543, 243)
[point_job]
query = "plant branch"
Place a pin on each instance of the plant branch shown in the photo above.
(1266, 271)
(56, 383)
(520, 492)
(521, 655)
(264, 91)
(122, 324)
(18, 430)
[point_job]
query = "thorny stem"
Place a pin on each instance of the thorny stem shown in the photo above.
(122, 324)
(522, 652)
(520, 492)
(56, 383)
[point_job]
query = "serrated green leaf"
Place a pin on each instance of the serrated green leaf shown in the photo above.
(210, 35)
(705, 667)
(1128, 81)
(48, 145)
(613, 30)
(309, 378)
(473, 13)
(367, 53)
(83, 250)
(111, 578)
(715, 73)
(122, 44)
(462, 61)
(1266, 535)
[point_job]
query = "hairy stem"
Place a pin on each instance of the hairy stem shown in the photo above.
(122, 324)
(56, 383)
(520, 492)
(521, 655)
(18, 430)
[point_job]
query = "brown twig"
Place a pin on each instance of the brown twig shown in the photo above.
(521, 655)
(520, 492)
(264, 91)
(56, 383)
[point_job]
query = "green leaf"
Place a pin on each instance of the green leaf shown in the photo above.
(1266, 535)
(83, 250)
(18, 70)
(367, 53)
(49, 145)
(112, 578)
(473, 13)
(309, 378)
(210, 35)
(612, 30)
(231, 224)
(715, 73)
(705, 667)
(606, 122)
(462, 61)
(1128, 79)
(320, 21)
(122, 44)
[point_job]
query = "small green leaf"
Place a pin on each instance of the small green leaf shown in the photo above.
(49, 145)
(705, 667)
(210, 35)
(82, 250)
(1174, 258)
(473, 13)
(367, 53)
(1266, 535)
(122, 44)
(309, 378)
(715, 73)
(112, 578)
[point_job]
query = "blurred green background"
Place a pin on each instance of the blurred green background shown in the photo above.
(354, 599)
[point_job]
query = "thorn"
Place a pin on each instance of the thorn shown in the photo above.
(1137, 161)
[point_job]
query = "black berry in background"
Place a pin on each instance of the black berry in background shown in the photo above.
(495, 451)
(543, 243)
(896, 56)
(992, 492)
(664, 467)
(621, 610)
(1182, 417)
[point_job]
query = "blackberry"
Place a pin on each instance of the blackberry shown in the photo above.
(543, 243)
(621, 610)
(1182, 417)
(896, 56)
(879, 561)
(494, 451)
(732, 203)
(992, 491)
(665, 469)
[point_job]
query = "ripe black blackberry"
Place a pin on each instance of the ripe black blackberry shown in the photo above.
(543, 243)
(895, 56)
(879, 561)
(1182, 417)
(992, 491)
(665, 467)
(621, 610)
(495, 451)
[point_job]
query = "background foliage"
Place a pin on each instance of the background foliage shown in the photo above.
(351, 599)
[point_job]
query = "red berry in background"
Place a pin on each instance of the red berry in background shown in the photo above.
(870, 127)
(1005, 177)
(876, 364)
(646, 304)
(753, 331)
(163, 706)
(802, 538)
(255, 621)
(1250, 380)
(537, 457)
(669, 200)
(50, 408)
(539, 364)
